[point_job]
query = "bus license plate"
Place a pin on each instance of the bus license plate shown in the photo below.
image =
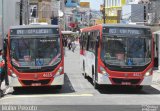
(36, 84)
(126, 83)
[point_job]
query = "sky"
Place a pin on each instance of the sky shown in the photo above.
(95, 4)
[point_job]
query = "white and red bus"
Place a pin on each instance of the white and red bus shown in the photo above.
(35, 56)
(117, 54)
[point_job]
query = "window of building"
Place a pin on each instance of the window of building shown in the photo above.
(73, 1)
(110, 3)
(118, 2)
(114, 2)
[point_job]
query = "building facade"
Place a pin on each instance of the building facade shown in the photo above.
(50, 11)
(113, 10)
(8, 16)
(40, 10)
(71, 8)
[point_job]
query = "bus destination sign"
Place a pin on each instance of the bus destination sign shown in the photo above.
(126, 31)
(38, 31)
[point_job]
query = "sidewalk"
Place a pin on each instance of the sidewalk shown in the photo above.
(156, 77)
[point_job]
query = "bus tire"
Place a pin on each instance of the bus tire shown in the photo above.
(83, 66)
(84, 73)
(95, 84)
(1, 93)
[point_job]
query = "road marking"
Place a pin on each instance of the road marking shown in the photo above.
(47, 95)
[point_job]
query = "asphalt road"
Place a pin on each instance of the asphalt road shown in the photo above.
(79, 91)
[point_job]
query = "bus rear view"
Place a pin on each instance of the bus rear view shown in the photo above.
(35, 56)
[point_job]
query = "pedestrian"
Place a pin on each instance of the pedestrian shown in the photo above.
(2, 63)
(69, 44)
(73, 46)
(64, 44)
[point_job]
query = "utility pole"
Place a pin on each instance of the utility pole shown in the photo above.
(104, 12)
(20, 15)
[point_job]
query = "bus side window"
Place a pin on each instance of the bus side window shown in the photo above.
(98, 38)
(92, 42)
(88, 38)
(85, 39)
(81, 40)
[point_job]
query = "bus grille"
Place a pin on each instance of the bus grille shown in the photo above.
(30, 82)
(120, 81)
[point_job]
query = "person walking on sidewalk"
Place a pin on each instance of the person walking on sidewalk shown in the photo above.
(2, 63)
(69, 43)
(73, 46)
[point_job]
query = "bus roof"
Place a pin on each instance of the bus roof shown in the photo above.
(33, 26)
(119, 25)
(124, 25)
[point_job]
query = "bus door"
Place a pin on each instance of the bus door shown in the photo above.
(97, 35)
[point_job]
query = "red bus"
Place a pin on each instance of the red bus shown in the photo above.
(35, 56)
(117, 54)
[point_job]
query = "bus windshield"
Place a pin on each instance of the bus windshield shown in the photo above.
(125, 50)
(29, 51)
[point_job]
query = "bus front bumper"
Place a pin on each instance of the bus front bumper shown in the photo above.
(58, 80)
(105, 79)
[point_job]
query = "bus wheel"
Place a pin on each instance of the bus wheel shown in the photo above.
(84, 73)
(83, 67)
(95, 85)
(1, 93)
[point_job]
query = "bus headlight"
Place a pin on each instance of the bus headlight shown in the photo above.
(14, 75)
(148, 73)
(59, 72)
(103, 71)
